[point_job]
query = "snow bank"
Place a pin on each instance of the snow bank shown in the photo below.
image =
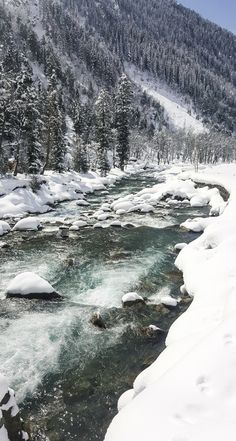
(18, 199)
(175, 190)
(189, 393)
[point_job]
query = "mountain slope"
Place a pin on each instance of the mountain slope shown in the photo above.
(92, 39)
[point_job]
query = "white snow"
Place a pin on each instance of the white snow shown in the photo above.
(189, 393)
(131, 297)
(78, 224)
(17, 198)
(180, 187)
(177, 112)
(28, 223)
(3, 387)
(180, 246)
(169, 301)
(29, 283)
(4, 228)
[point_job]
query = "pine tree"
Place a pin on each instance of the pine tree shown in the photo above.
(80, 157)
(122, 119)
(34, 128)
(54, 128)
(103, 130)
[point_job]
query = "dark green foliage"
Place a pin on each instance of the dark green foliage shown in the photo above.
(122, 119)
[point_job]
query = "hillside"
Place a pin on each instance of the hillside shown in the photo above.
(80, 47)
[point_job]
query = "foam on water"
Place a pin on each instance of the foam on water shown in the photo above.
(114, 280)
(32, 344)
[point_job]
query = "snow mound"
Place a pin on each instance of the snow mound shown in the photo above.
(28, 223)
(30, 285)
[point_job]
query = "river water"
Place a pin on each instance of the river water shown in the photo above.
(68, 374)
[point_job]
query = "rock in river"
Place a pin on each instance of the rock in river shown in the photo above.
(131, 299)
(31, 286)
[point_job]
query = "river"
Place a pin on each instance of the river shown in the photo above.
(68, 374)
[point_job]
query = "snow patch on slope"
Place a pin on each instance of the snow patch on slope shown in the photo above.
(176, 111)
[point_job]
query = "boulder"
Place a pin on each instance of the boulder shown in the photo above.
(27, 224)
(131, 299)
(31, 286)
(97, 320)
(11, 424)
(152, 331)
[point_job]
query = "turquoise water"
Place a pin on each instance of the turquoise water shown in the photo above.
(68, 374)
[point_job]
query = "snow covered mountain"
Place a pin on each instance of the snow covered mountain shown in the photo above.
(90, 40)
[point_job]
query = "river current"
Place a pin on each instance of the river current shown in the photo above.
(67, 373)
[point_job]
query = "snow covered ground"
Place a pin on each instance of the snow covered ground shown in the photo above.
(189, 393)
(176, 110)
(17, 197)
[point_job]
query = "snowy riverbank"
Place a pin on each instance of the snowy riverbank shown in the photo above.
(189, 393)
(18, 198)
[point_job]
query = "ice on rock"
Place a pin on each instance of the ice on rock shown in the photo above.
(30, 285)
(28, 223)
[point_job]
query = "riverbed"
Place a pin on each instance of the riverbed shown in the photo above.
(68, 374)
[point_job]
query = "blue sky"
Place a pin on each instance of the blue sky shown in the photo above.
(222, 12)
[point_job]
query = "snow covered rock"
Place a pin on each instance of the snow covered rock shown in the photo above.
(180, 246)
(131, 299)
(183, 290)
(4, 228)
(152, 331)
(99, 225)
(28, 223)
(11, 425)
(82, 203)
(197, 225)
(167, 300)
(116, 223)
(31, 286)
(79, 224)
